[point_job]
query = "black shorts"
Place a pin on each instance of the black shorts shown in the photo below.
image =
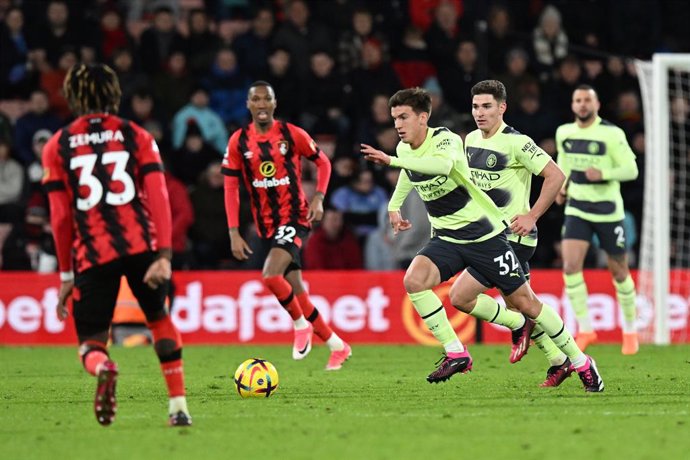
(523, 252)
(291, 238)
(611, 234)
(494, 259)
(96, 289)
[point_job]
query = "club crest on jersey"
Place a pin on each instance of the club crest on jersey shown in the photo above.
(593, 148)
(267, 168)
(283, 147)
(491, 161)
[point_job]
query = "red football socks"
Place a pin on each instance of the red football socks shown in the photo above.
(283, 292)
(171, 364)
(321, 329)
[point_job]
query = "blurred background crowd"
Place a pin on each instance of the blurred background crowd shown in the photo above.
(185, 67)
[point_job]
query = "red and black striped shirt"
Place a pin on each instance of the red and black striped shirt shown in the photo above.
(271, 167)
(100, 161)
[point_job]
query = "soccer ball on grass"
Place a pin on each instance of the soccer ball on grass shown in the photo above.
(256, 378)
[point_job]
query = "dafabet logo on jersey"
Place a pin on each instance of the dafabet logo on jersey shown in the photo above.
(268, 170)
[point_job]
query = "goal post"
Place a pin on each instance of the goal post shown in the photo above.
(663, 274)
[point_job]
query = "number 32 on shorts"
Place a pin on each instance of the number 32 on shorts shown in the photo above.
(506, 263)
(286, 233)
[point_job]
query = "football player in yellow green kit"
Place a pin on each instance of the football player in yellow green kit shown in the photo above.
(468, 230)
(596, 157)
(502, 162)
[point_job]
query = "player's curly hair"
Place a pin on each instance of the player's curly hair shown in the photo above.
(92, 88)
(417, 98)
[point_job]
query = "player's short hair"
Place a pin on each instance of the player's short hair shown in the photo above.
(417, 98)
(492, 87)
(258, 83)
(92, 88)
(585, 87)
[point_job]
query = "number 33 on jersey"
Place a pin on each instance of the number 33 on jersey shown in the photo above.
(100, 162)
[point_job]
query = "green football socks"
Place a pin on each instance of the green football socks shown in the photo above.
(431, 309)
(489, 310)
(576, 290)
(553, 354)
(625, 292)
(553, 325)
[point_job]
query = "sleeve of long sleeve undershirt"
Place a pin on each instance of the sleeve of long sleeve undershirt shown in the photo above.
(624, 164)
(159, 206)
(63, 232)
(402, 189)
(232, 200)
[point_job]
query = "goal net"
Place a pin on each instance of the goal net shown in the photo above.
(664, 264)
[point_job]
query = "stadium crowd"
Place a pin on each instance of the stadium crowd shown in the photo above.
(185, 67)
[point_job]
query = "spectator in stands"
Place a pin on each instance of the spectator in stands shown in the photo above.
(559, 92)
(301, 37)
(51, 83)
(532, 119)
(58, 34)
(351, 54)
(614, 80)
(360, 202)
(516, 75)
(332, 245)
(443, 35)
(159, 41)
(411, 59)
(173, 85)
(422, 11)
(202, 43)
(37, 117)
(254, 46)
(194, 157)
(131, 80)
(549, 42)
(343, 171)
(182, 213)
(209, 232)
(15, 77)
(113, 35)
(458, 78)
(211, 125)
(378, 118)
(442, 114)
(500, 39)
(629, 113)
(11, 185)
(285, 82)
(374, 76)
(378, 248)
(141, 108)
(325, 101)
(34, 171)
(227, 86)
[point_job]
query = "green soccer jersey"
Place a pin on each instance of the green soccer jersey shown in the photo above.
(603, 146)
(502, 166)
(458, 210)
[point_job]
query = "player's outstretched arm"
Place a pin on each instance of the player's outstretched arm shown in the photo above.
(374, 155)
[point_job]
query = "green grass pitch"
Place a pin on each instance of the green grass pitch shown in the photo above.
(378, 406)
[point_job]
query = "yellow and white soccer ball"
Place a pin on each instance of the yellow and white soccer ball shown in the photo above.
(256, 378)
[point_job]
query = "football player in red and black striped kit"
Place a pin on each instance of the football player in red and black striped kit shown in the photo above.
(267, 156)
(110, 216)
